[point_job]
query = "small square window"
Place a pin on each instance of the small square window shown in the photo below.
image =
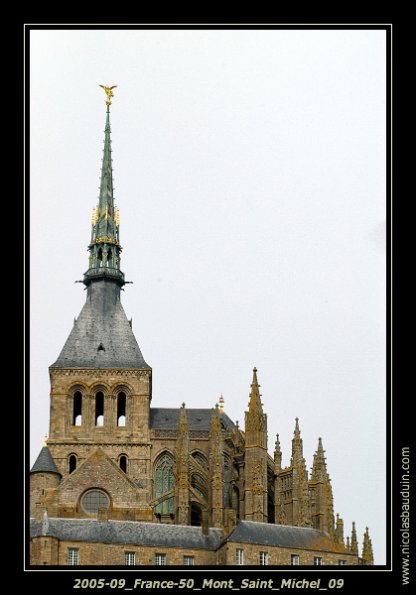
(129, 558)
(317, 561)
(342, 562)
(295, 560)
(73, 556)
(188, 561)
(239, 556)
(264, 559)
(160, 559)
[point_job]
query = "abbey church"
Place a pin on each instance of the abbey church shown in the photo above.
(123, 482)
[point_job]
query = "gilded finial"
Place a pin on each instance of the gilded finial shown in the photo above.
(109, 93)
(45, 440)
(221, 403)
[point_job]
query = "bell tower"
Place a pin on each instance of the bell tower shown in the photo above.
(101, 386)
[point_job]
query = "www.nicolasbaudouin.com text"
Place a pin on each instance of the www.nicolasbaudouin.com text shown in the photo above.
(405, 514)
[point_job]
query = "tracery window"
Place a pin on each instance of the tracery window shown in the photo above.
(164, 482)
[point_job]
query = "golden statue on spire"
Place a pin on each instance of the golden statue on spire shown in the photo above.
(109, 93)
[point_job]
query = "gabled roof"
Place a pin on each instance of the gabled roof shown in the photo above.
(102, 336)
(127, 532)
(275, 535)
(44, 463)
(198, 419)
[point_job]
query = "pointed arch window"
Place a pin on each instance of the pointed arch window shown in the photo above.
(199, 484)
(200, 459)
(164, 482)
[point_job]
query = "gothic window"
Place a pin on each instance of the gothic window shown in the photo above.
(196, 514)
(236, 500)
(99, 409)
(93, 500)
(200, 459)
(122, 463)
(227, 481)
(77, 409)
(164, 482)
(121, 409)
(109, 259)
(72, 463)
(199, 484)
(100, 258)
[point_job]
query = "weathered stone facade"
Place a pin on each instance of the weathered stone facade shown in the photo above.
(115, 461)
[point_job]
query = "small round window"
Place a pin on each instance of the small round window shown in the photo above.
(93, 500)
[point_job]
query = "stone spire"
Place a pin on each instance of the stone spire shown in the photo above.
(297, 445)
(279, 509)
(255, 469)
(256, 420)
(277, 455)
(104, 248)
(339, 530)
(367, 555)
(322, 501)
(319, 470)
(301, 514)
(216, 467)
(354, 541)
(182, 472)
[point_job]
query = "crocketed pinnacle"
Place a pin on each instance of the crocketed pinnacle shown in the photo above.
(319, 469)
(255, 419)
(297, 446)
(354, 541)
(367, 555)
(255, 404)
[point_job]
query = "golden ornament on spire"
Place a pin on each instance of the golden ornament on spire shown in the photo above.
(221, 403)
(109, 93)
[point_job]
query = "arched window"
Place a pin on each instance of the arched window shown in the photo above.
(199, 484)
(72, 463)
(122, 463)
(200, 459)
(93, 500)
(164, 482)
(77, 409)
(121, 409)
(109, 259)
(99, 409)
(196, 514)
(227, 481)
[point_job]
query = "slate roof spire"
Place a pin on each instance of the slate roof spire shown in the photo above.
(104, 247)
(102, 337)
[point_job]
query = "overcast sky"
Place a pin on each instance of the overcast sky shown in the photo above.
(249, 171)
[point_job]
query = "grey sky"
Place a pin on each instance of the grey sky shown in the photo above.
(249, 169)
